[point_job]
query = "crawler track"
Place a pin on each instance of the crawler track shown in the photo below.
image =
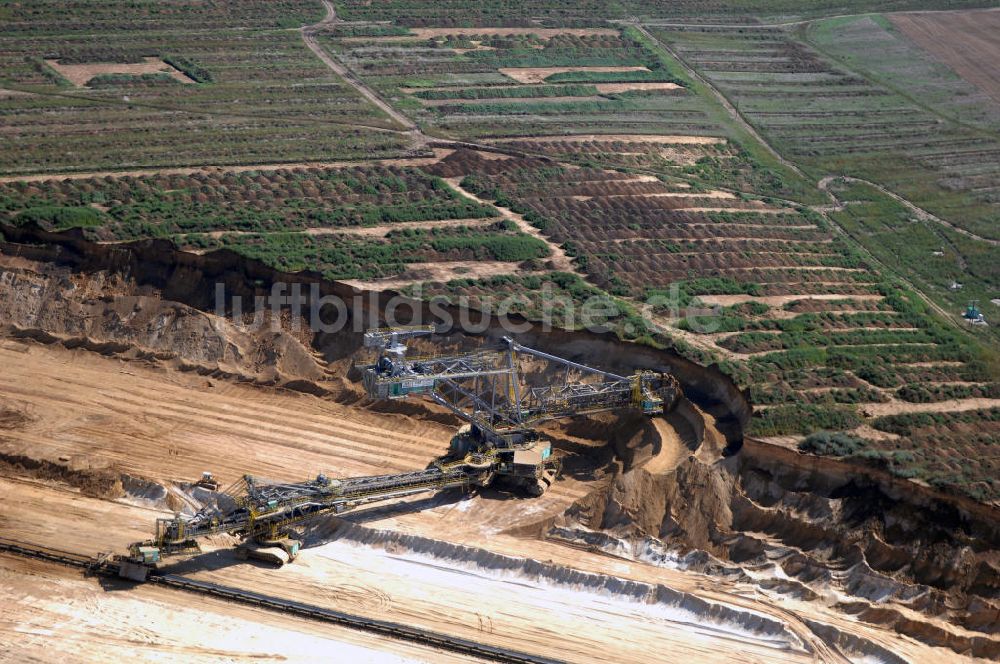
(286, 606)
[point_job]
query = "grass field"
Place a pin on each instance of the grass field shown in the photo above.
(876, 47)
(589, 12)
(835, 121)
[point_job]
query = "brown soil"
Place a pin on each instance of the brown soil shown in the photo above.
(111, 313)
(231, 428)
(949, 406)
(430, 33)
(677, 194)
(620, 138)
(778, 300)
(757, 209)
(612, 88)
(440, 271)
(14, 93)
(967, 41)
(382, 231)
(539, 74)
(80, 75)
(122, 622)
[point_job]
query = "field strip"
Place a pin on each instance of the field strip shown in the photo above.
(780, 300)
(799, 267)
(382, 231)
(76, 97)
(952, 405)
(360, 231)
(760, 353)
(6, 92)
(616, 138)
(722, 99)
(662, 194)
(603, 88)
(80, 75)
(732, 209)
(614, 88)
(672, 23)
(721, 240)
(440, 271)
(731, 224)
(417, 34)
(243, 168)
(506, 100)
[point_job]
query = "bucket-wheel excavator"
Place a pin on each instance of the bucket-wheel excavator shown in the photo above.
(489, 388)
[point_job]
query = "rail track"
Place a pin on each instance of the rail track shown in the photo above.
(107, 567)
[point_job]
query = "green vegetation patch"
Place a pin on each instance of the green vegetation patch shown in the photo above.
(803, 419)
(192, 70)
(58, 218)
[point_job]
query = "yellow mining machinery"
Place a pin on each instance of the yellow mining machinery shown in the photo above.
(487, 388)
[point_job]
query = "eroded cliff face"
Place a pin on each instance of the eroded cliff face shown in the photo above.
(108, 312)
(885, 550)
(685, 490)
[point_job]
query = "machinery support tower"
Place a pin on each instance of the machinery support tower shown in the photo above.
(488, 389)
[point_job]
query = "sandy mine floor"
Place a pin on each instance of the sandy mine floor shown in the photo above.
(50, 613)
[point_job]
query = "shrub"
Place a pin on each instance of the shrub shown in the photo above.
(803, 419)
(833, 444)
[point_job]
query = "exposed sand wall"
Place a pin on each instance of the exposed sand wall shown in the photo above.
(191, 279)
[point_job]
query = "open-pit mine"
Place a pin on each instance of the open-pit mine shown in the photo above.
(639, 521)
(556, 331)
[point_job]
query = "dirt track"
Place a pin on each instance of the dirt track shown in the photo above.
(309, 36)
(559, 258)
